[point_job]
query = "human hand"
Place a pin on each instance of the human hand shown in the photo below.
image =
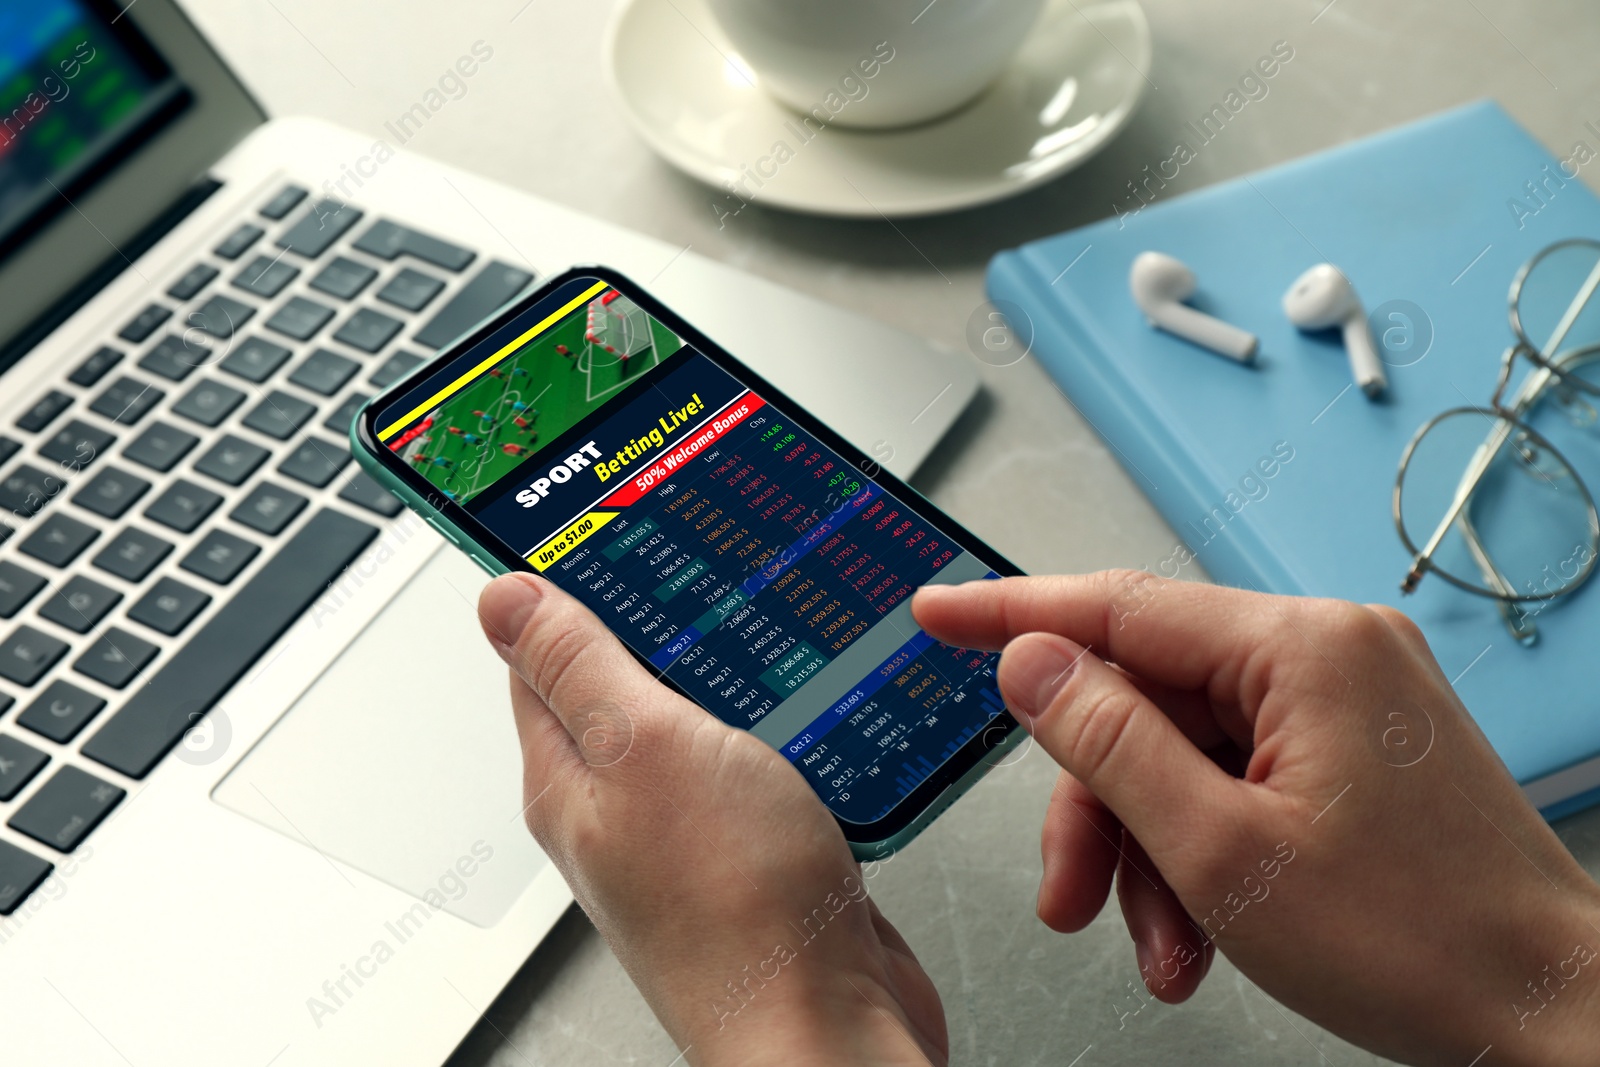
(1295, 782)
(712, 870)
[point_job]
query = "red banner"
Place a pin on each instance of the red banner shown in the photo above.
(669, 463)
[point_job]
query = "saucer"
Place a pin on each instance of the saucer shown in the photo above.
(1072, 86)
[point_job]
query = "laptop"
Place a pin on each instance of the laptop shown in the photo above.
(260, 792)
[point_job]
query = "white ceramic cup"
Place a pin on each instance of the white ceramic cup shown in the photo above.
(875, 63)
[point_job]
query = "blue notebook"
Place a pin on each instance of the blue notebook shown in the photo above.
(1437, 216)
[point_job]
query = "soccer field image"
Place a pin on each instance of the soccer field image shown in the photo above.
(494, 423)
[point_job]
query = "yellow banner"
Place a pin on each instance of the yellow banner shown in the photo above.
(484, 364)
(568, 539)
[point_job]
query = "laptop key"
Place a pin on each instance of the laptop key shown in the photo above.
(300, 318)
(220, 316)
(268, 509)
(255, 360)
(265, 277)
(20, 874)
(26, 490)
(91, 370)
(66, 808)
(487, 292)
(218, 654)
(79, 604)
(160, 446)
(126, 401)
(76, 445)
(410, 289)
(220, 556)
(386, 240)
(18, 764)
(367, 330)
(208, 403)
(324, 372)
(362, 490)
(394, 368)
(183, 506)
(175, 357)
(111, 492)
(315, 462)
(145, 323)
(239, 241)
(18, 585)
(132, 554)
(59, 540)
(26, 654)
(44, 411)
(115, 658)
(231, 460)
(343, 278)
(169, 606)
(195, 279)
(60, 712)
(319, 228)
(8, 448)
(342, 416)
(284, 202)
(279, 415)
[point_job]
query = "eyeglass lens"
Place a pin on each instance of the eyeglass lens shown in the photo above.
(1558, 306)
(1527, 529)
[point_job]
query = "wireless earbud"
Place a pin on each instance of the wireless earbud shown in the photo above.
(1323, 298)
(1160, 284)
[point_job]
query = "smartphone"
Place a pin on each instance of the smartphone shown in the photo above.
(756, 561)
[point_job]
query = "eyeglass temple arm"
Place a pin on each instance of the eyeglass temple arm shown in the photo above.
(1464, 490)
(1533, 385)
(1517, 622)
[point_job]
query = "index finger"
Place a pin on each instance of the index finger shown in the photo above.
(1181, 634)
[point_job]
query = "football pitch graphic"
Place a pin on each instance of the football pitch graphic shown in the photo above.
(491, 425)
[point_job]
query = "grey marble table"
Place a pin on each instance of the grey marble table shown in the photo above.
(539, 117)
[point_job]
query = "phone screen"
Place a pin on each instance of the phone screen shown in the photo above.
(744, 559)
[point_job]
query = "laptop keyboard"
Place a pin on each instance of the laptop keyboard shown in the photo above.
(185, 492)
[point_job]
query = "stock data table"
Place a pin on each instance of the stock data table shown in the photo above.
(771, 580)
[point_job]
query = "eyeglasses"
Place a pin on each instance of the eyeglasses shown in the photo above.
(1526, 526)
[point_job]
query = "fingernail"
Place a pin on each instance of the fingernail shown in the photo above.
(927, 593)
(952, 588)
(1034, 670)
(1143, 956)
(504, 608)
(940, 589)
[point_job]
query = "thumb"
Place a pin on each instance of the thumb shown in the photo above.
(1103, 731)
(572, 666)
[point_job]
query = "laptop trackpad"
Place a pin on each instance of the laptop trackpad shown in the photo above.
(402, 759)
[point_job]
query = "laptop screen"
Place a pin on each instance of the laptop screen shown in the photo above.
(111, 115)
(79, 87)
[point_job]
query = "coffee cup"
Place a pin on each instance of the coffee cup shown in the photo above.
(875, 63)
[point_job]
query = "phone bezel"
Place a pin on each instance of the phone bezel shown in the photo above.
(927, 793)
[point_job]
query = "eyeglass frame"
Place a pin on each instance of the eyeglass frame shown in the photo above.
(1548, 372)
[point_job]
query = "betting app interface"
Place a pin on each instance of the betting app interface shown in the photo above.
(752, 565)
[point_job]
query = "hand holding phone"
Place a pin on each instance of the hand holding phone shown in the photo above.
(749, 557)
(719, 880)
